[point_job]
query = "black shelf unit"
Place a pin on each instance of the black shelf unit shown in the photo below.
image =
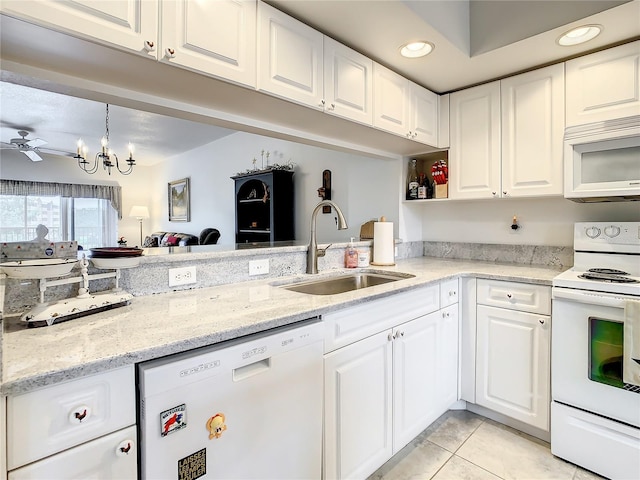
(264, 206)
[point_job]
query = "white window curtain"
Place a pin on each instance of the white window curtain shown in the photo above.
(25, 187)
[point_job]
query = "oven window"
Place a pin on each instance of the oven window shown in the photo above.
(606, 340)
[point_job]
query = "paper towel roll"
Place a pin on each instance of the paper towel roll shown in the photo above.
(383, 246)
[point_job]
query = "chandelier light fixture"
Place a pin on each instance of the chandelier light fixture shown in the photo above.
(106, 157)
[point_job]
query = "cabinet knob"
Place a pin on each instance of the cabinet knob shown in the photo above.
(509, 295)
(494, 193)
(149, 46)
(390, 337)
(445, 314)
(541, 320)
(125, 448)
(401, 334)
(321, 104)
(505, 193)
(80, 414)
(452, 293)
(409, 134)
(170, 53)
(332, 107)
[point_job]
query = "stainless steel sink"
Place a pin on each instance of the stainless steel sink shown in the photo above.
(346, 283)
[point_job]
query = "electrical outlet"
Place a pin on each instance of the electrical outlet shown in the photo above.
(182, 276)
(259, 267)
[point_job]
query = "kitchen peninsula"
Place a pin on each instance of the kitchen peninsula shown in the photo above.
(163, 324)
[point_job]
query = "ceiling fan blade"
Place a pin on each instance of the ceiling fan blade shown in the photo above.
(36, 142)
(32, 155)
(5, 145)
(56, 151)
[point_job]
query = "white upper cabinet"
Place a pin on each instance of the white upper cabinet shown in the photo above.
(604, 85)
(474, 155)
(390, 101)
(404, 108)
(348, 82)
(423, 111)
(127, 24)
(290, 60)
(532, 132)
(216, 38)
(506, 137)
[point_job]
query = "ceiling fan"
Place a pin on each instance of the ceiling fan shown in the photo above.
(31, 148)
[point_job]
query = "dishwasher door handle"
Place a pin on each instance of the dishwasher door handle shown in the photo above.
(255, 368)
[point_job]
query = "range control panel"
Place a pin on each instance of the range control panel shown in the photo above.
(622, 237)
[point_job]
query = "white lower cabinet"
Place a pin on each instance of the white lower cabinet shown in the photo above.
(112, 456)
(383, 390)
(75, 429)
(513, 356)
(357, 408)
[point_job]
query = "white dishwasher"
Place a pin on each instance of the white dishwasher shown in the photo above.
(249, 408)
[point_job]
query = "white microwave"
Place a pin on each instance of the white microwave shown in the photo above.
(602, 161)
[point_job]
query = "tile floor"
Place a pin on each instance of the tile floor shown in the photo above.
(461, 445)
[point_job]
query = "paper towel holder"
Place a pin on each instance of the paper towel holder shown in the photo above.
(376, 260)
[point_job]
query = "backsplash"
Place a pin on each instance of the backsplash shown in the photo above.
(219, 268)
(525, 254)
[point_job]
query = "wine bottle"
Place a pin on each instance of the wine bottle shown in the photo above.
(412, 181)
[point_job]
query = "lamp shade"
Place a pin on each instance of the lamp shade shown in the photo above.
(139, 212)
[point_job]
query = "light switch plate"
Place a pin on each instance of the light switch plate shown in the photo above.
(259, 267)
(182, 276)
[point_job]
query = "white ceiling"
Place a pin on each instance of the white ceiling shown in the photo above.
(61, 120)
(474, 42)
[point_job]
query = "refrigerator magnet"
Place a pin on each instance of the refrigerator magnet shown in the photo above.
(173, 420)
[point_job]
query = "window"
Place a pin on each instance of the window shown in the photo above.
(92, 222)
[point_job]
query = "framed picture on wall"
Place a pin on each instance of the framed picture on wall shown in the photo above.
(179, 202)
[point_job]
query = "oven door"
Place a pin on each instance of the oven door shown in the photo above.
(587, 355)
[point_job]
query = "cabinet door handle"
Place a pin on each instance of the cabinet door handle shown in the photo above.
(149, 46)
(170, 53)
(125, 448)
(79, 414)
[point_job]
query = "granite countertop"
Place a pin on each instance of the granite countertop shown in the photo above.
(157, 325)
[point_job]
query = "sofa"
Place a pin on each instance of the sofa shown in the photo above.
(208, 236)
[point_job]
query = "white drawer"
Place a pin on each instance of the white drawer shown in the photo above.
(355, 323)
(112, 456)
(448, 292)
(514, 296)
(52, 419)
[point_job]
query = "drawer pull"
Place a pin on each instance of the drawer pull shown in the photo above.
(125, 448)
(79, 414)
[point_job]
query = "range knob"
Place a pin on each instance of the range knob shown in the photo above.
(592, 232)
(612, 231)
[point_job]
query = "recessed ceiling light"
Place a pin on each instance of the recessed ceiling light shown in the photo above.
(579, 35)
(416, 49)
